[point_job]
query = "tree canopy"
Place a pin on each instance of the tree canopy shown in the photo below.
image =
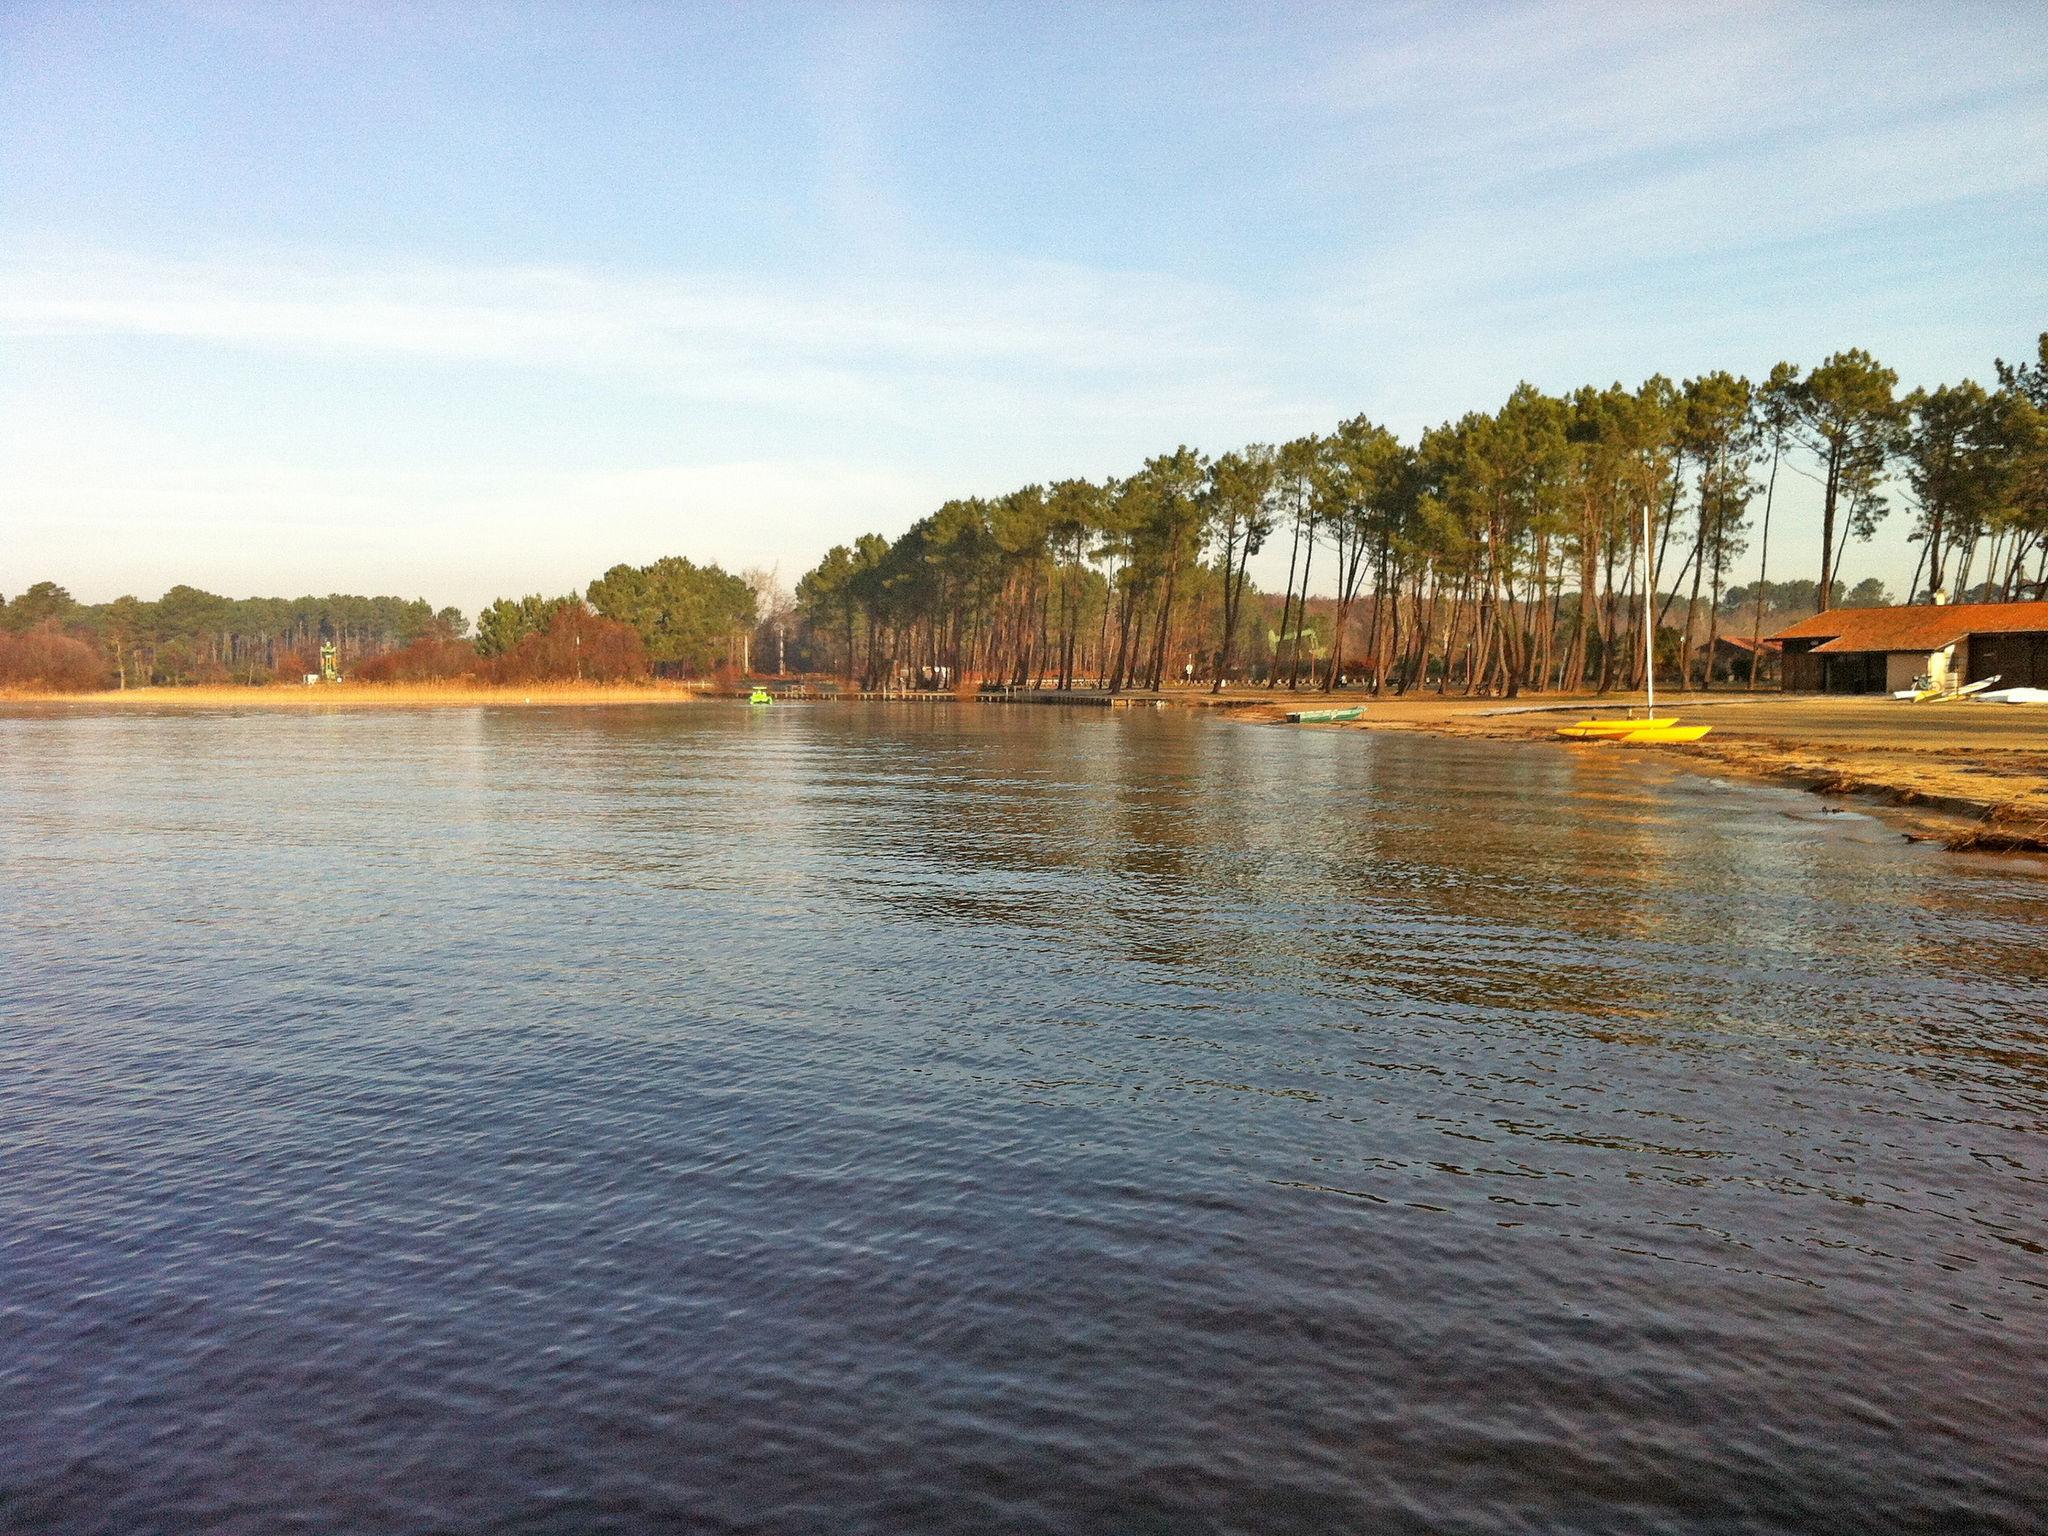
(685, 614)
(1501, 550)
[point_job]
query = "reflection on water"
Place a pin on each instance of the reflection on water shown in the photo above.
(920, 1118)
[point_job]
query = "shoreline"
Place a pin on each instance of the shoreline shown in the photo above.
(1967, 776)
(364, 696)
(1972, 777)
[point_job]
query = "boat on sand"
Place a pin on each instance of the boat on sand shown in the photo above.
(1650, 728)
(1601, 730)
(1664, 733)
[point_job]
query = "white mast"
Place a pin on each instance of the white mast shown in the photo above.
(1649, 632)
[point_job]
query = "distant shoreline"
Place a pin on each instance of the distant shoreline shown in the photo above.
(1970, 776)
(367, 696)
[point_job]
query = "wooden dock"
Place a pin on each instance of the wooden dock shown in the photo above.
(1070, 698)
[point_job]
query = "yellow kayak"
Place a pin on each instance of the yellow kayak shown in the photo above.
(1602, 730)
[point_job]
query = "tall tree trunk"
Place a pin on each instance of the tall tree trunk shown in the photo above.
(1483, 624)
(1301, 616)
(1756, 630)
(1841, 553)
(1513, 642)
(1832, 488)
(1165, 627)
(1589, 572)
(1443, 682)
(1553, 584)
(1692, 601)
(1392, 651)
(1232, 606)
(1632, 607)
(1286, 603)
(1713, 612)
(1374, 652)
(1127, 613)
(1427, 587)
(1223, 646)
(2016, 571)
(1102, 635)
(1609, 619)
(1044, 605)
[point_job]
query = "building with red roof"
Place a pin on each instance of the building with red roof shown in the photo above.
(1887, 650)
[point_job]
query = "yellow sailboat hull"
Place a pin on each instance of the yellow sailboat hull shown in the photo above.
(1666, 733)
(1601, 730)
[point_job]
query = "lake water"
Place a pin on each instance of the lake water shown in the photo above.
(920, 1118)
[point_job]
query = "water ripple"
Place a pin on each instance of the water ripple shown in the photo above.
(962, 1120)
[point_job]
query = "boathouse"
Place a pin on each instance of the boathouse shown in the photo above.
(1885, 650)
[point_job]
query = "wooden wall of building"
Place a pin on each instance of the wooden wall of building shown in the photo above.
(2017, 661)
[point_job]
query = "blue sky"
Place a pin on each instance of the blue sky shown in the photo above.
(468, 300)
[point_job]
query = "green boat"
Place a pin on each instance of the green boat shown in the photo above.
(760, 696)
(1321, 716)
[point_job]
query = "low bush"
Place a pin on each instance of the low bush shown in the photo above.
(577, 646)
(48, 660)
(432, 659)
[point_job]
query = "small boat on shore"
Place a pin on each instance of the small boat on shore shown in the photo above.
(1942, 695)
(1968, 690)
(1600, 730)
(1651, 727)
(1667, 729)
(1324, 716)
(1663, 733)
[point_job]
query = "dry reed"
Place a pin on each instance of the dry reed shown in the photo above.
(349, 695)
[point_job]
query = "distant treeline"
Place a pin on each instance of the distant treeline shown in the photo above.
(1500, 551)
(671, 616)
(191, 636)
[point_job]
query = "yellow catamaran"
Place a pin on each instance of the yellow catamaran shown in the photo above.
(1649, 728)
(1602, 730)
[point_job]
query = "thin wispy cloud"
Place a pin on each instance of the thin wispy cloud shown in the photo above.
(1020, 343)
(911, 252)
(562, 315)
(1533, 145)
(1518, 93)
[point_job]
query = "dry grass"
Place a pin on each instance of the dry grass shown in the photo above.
(375, 696)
